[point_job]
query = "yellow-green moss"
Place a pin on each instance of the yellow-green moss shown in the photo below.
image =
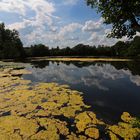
(81, 59)
(85, 120)
(34, 112)
(9, 125)
(124, 129)
(92, 132)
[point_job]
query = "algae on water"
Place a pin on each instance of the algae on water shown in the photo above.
(48, 111)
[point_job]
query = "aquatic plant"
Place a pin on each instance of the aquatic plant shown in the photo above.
(5, 65)
(48, 111)
(125, 129)
(24, 107)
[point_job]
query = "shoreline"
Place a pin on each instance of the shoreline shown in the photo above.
(73, 58)
(81, 59)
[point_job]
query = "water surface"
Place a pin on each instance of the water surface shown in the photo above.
(109, 87)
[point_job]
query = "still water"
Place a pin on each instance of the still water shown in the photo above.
(109, 87)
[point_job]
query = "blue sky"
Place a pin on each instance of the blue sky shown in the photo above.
(55, 22)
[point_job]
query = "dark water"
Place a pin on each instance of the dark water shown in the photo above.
(110, 87)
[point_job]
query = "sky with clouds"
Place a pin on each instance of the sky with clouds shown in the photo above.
(55, 22)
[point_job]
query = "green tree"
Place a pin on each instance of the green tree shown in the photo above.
(134, 49)
(83, 50)
(39, 50)
(120, 48)
(124, 15)
(10, 43)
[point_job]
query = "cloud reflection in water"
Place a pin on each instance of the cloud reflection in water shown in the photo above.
(94, 75)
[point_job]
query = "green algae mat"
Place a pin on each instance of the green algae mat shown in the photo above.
(48, 111)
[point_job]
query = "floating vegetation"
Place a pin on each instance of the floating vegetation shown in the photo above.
(48, 111)
(125, 129)
(90, 59)
(87, 122)
(5, 65)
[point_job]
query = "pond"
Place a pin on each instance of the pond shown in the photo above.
(109, 87)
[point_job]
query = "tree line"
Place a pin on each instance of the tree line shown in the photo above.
(11, 47)
(120, 49)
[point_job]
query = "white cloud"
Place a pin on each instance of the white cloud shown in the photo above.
(93, 26)
(69, 2)
(41, 21)
(97, 38)
(71, 34)
(46, 27)
(43, 12)
(15, 6)
(68, 28)
(20, 6)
